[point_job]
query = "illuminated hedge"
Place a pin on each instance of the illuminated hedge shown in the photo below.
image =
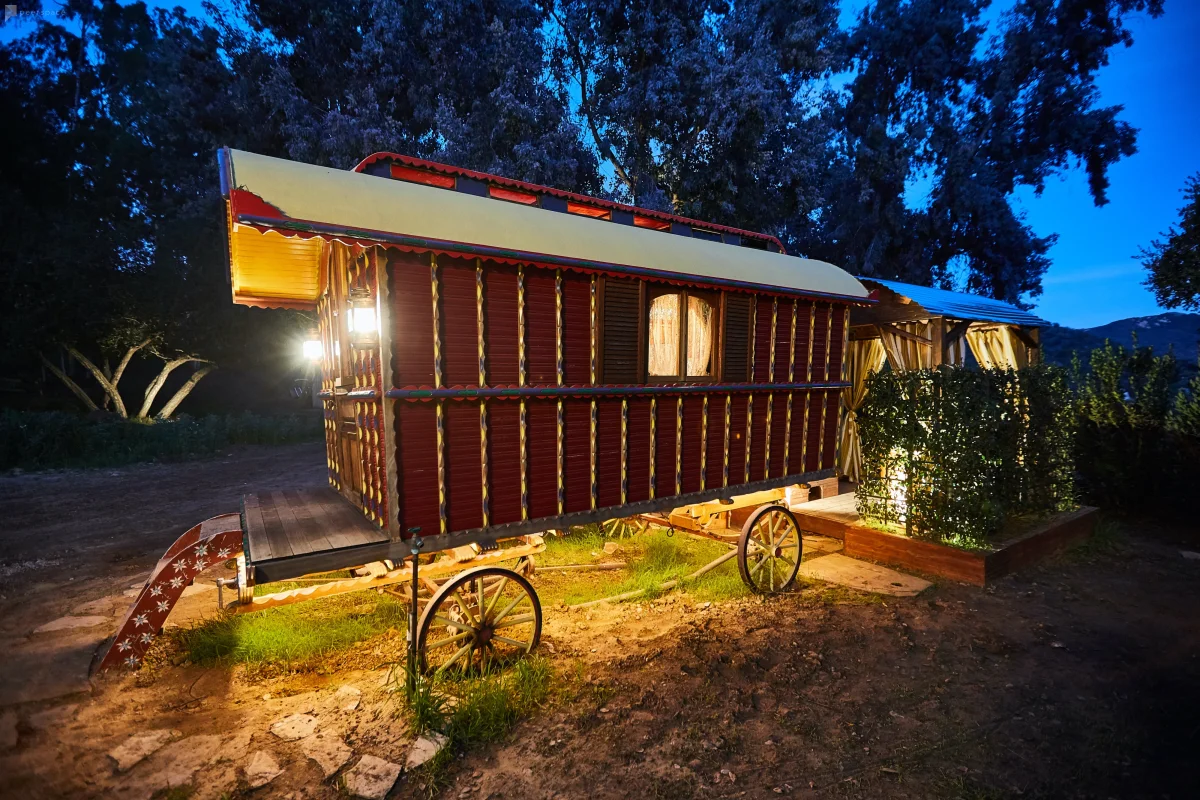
(951, 454)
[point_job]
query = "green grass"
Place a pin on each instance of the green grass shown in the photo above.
(298, 636)
(479, 711)
(651, 559)
(37, 440)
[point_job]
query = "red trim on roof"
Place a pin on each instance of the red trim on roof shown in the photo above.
(446, 169)
(512, 196)
(244, 202)
(427, 177)
(584, 210)
(652, 224)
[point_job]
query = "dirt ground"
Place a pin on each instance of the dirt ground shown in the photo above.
(1080, 678)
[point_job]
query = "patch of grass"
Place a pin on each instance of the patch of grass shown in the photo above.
(651, 558)
(484, 710)
(297, 636)
(1108, 538)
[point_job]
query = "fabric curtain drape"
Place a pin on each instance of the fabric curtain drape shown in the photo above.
(864, 357)
(904, 354)
(956, 351)
(664, 336)
(701, 316)
(997, 348)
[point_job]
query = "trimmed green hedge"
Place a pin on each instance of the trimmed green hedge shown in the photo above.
(55, 439)
(951, 454)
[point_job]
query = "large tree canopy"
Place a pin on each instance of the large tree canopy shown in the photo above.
(892, 147)
(1174, 260)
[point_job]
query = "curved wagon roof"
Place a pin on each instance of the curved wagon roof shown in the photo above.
(310, 204)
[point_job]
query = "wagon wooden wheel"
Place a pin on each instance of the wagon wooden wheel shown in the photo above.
(769, 550)
(483, 618)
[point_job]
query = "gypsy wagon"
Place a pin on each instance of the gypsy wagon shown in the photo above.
(500, 359)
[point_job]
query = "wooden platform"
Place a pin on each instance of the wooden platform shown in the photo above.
(297, 532)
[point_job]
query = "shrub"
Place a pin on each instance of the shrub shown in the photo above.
(1138, 447)
(951, 454)
(55, 439)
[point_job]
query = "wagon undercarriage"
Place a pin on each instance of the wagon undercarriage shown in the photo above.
(475, 606)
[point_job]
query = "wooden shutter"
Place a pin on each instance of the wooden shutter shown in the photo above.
(737, 338)
(622, 318)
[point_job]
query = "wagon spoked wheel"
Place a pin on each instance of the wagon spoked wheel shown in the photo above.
(480, 620)
(769, 550)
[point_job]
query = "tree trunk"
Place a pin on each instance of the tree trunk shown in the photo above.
(156, 385)
(166, 411)
(109, 387)
(70, 384)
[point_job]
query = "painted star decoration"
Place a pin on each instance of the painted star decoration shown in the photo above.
(131, 662)
(141, 619)
(147, 637)
(223, 553)
(176, 583)
(162, 606)
(124, 645)
(155, 590)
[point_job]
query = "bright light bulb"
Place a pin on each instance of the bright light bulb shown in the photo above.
(362, 320)
(312, 349)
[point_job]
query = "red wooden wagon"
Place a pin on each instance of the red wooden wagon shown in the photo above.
(500, 359)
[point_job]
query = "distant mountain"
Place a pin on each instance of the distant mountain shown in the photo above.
(1172, 330)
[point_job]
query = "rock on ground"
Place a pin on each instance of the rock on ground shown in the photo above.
(372, 778)
(328, 750)
(348, 697)
(294, 727)
(175, 765)
(140, 745)
(71, 623)
(424, 749)
(261, 769)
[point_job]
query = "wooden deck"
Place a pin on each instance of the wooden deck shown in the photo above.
(296, 532)
(829, 516)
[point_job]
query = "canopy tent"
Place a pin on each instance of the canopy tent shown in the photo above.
(919, 327)
(281, 212)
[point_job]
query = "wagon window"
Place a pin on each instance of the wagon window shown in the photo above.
(681, 335)
(663, 360)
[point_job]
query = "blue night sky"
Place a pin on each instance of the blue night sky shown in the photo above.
(1095, 276)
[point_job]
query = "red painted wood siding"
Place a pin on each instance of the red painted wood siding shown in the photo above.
(504, 460)
(412, 322)
(500, 324)
(577, 329)
(540, 330)
(608, 455)
(464, 477)
(416, 456)
(460, 334)
(693, 420)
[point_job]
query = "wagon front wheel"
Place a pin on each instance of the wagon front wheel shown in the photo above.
(480, 620)
(769, 550)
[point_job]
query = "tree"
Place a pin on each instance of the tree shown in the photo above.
(942, 122)
(1174, 261)
(704, 108)
(455, 80)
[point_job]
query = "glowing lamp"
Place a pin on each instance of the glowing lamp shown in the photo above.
(312, 346)
(363, 321)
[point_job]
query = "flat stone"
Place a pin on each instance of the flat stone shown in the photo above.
(198, 588)
(845, 571)
(611, 548)
(372, 778)
(71, 623)
(134, 592)
(261, 769)
(1190, 555)
(424, 749)
(294, 727)
(347, 698)
(48, 667)
(8, 730)
(173, 766)
(328, 750)
(52, 717)
(105, 605)
(139, 746)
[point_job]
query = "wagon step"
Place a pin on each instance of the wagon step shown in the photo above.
(205, 545)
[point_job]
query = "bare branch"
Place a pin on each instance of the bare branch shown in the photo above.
(70, 384)
(116, 376)
(108, 387)
(166, 411)
(585, 104)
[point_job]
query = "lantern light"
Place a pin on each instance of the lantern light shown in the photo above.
(311, 348)
(363, 321)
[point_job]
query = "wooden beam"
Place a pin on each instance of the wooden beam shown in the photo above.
(903, 334)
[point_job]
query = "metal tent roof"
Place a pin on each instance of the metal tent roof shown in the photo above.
(959, 305)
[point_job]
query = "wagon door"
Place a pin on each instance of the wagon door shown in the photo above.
(346, 455)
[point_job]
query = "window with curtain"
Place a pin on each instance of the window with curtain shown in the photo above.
(681, 333)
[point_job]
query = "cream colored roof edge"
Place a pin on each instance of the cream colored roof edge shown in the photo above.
(306, 193)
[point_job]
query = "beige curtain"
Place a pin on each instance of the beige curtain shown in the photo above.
(701, 316)
(664, 336)
(905, 354)
(997, 348)
(956, 351)
(864, 357)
